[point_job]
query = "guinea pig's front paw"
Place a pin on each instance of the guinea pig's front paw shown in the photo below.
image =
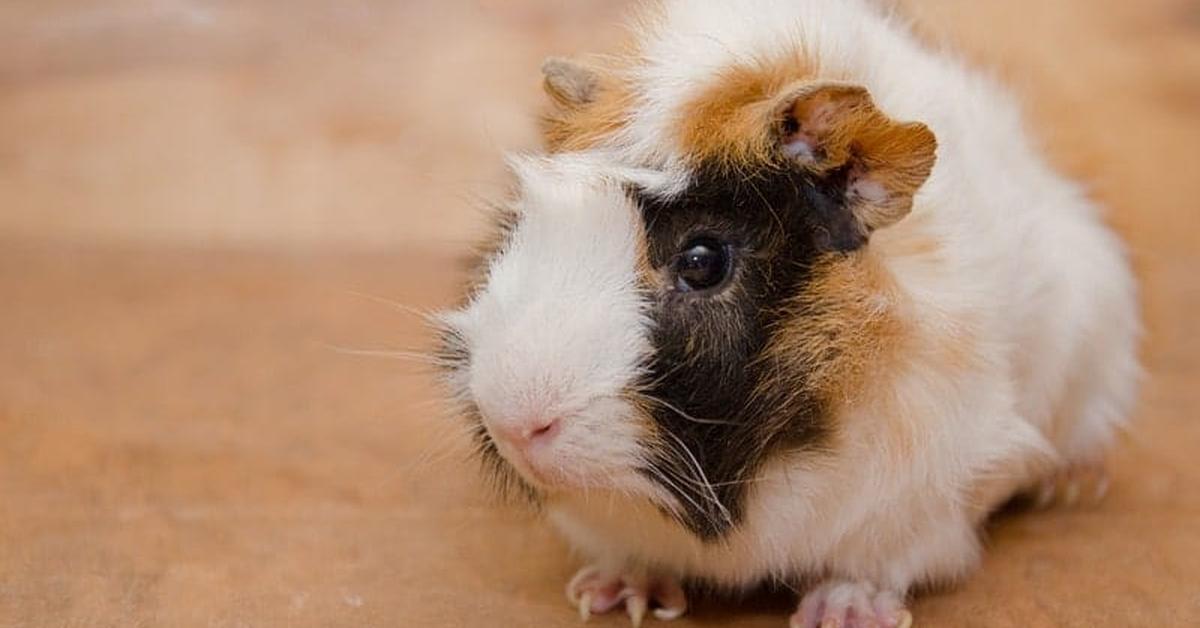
(594, 590)
(845, 604)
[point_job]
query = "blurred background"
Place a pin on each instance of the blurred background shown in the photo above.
(209, 123)
(204, 202)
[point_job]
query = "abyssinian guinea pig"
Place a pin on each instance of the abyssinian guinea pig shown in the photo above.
(792, 299)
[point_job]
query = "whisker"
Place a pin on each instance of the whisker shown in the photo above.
(651, 385)
(700, 470)
(676, 508)
(410, 356)
(678, 489)
(677, 474)
(431, 318)
(452, 439)
(742, 482)
(686, 477)
(676, 410)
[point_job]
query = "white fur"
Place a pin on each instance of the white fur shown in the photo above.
(560, 328)
(1023, 266)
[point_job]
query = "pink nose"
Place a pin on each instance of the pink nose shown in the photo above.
(529, 431)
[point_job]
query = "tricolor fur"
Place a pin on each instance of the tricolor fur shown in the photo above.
(923, 318)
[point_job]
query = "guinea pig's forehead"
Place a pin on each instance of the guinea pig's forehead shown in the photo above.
(757, 205)
(572, 228)
(577, 180)
(577, 210)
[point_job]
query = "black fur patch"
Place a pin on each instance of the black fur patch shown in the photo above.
(717, 410)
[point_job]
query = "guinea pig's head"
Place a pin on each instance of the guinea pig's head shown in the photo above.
(554, 340)
(663, 335)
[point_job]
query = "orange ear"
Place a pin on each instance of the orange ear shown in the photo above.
(828, 127)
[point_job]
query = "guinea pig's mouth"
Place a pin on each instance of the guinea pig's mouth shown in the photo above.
(540, 473)
(590, 446)
(537, 459)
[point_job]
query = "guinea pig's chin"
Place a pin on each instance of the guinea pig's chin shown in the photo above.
(538, 475)
(551, 472)
(566, 469)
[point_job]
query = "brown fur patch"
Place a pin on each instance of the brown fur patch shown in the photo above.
(844, 326)
(733, 121)
(854, 332)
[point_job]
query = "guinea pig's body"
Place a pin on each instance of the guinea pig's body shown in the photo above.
(911, 318)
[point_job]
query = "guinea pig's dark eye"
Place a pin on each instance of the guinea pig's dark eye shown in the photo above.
(704, 263)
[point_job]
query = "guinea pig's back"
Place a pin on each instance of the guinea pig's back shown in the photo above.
(1004, 242)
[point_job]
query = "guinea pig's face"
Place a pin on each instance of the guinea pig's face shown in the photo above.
(550, 348)
(664, 340)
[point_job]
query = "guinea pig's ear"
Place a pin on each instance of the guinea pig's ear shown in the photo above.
(569, 83)
(835, 128)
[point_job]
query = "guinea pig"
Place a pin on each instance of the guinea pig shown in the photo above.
(791, 299)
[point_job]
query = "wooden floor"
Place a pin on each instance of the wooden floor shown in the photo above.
(203, 206)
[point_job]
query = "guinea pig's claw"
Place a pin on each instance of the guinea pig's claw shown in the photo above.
(667, 614)
(636, 605)
(594, 590)
(585, 606)
(904, 619)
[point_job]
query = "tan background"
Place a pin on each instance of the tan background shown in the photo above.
(201, 202)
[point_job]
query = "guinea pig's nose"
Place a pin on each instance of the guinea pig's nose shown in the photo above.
(542, 431)
(531, 430)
